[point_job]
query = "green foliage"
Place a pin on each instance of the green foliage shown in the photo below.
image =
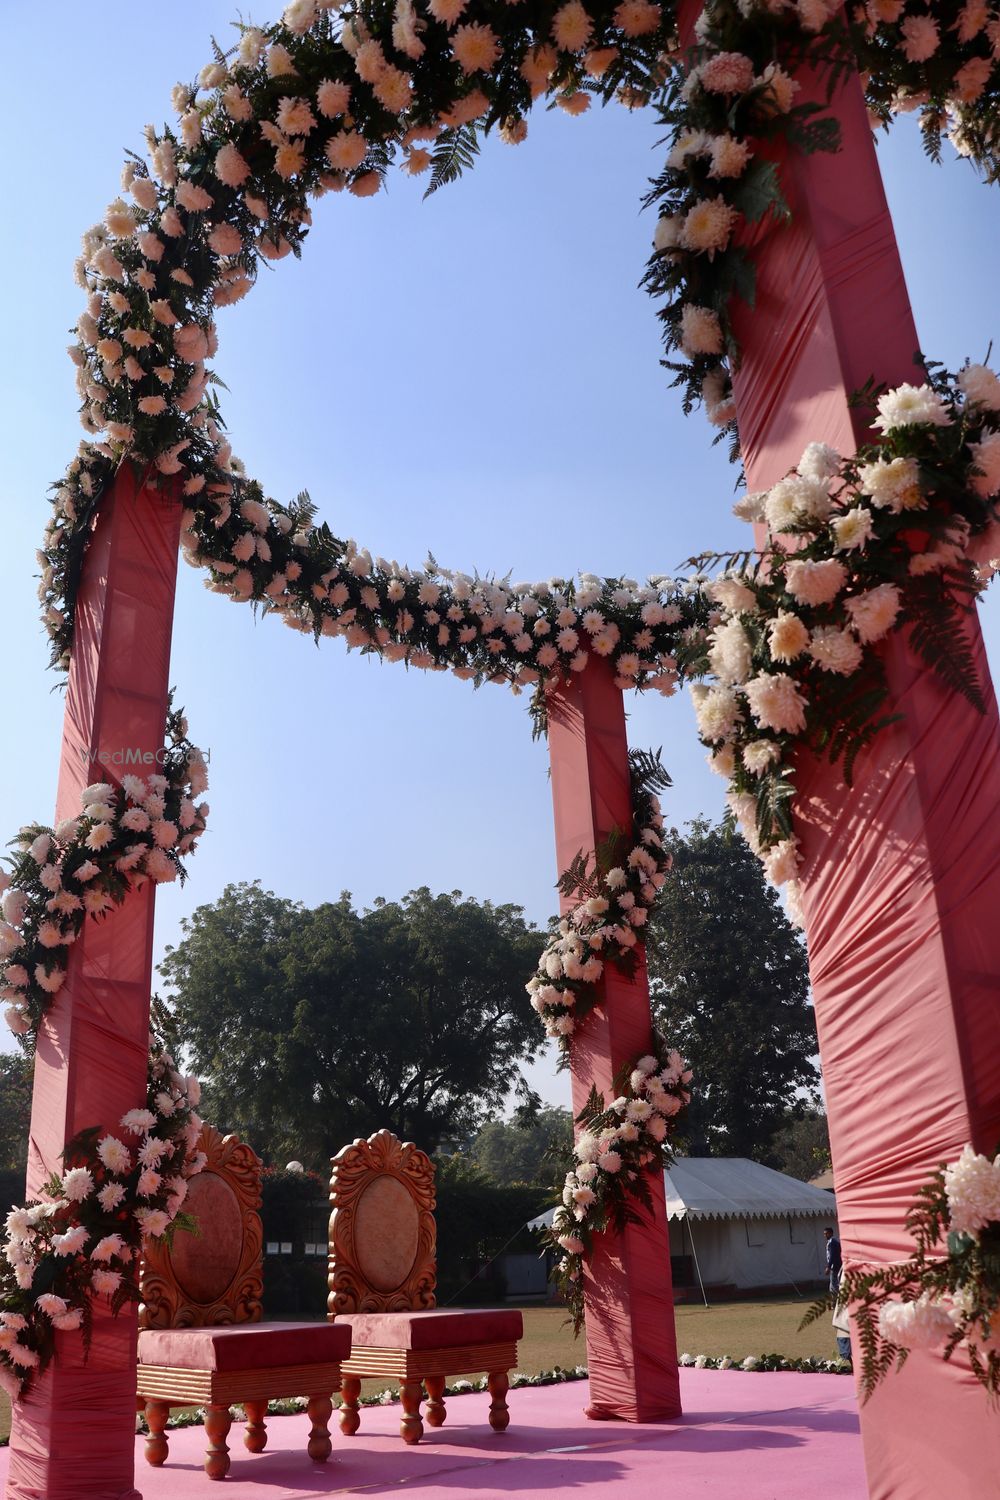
(313, 1027)
(478, 1219)
(730, 985)
(16, 1073)
(455, 152)
(758, 193)
(536, 1150)
(801, 1147)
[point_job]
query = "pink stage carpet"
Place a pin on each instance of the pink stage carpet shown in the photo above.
(743, 1437)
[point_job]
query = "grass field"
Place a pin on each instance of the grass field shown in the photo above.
(733, 1328)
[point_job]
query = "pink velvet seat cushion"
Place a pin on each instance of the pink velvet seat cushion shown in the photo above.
(432, 1330)
(245, 1346)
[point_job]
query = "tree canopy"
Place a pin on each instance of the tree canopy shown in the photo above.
(729, 980)
(536, 1150)
(312, 1027)
(16, 1070)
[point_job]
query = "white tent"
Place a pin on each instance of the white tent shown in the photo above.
(736, 1224)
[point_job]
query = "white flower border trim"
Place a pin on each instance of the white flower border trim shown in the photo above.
(617, 891)
(88, 864)
(946, 1296)
(294, 1405)
(619, 1145)
(905, 533)
(83, 1239)
(765, 1364)
(324, 100)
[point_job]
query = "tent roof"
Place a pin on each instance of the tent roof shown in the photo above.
(731, 1187)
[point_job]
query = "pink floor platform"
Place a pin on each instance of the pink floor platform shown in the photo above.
(751, 1436)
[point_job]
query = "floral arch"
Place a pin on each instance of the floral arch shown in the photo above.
(901, 532)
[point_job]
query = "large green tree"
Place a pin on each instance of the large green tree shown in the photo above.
(530, 1150)
(730, 985)
(802, 1145)
(312, 1027)
(16, 1071)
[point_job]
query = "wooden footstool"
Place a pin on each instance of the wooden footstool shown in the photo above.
(249, 1365)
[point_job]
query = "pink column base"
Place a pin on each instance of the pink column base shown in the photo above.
(631, 1343)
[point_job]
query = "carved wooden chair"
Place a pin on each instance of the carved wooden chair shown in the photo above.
(201, 1342)
(383, 1243)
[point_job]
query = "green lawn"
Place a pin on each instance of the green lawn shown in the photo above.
(733, 1328)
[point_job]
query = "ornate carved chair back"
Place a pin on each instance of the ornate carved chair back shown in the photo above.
(216, 1276)
(382, 1275)
(383, 1240)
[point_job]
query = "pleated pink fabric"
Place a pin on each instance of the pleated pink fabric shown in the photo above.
(902, 872)
(73, 1436)
(631, 1344)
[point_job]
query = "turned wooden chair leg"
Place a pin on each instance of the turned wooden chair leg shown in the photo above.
(255, 1432)
(217, 1425)
(156, 1414)
(411, 1429)
(498, 1388)
(350, 1416)
(319, 1410)
(436, 1412)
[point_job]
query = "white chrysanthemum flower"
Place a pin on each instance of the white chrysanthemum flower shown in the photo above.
(717, 711)
(979, 384)
(733, 594)
(728, 156)
(726, 73)
(815, 582)
(819, 461)
(973, 1187)
(730, 655)
(475, 47)
(571, 27)
(915, 1325)
(893, 484)
(708, 226)
(667, 235)
(776, 703)
(986, 457)
(835, 650)
(781, 862)
(759, 754)
(700, 331)
(788, 637)
(852, 529)
(910, 406)
(873, 613)
(796, 500)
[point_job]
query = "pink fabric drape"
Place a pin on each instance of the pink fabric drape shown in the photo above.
(631, 1344)
(902, 872)
(73, 1436)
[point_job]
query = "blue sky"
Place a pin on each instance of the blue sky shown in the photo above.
(477, 375)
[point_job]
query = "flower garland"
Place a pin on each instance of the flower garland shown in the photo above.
(615, 892)
(734, 92)
(767, 1363)
(88, 864)
(83, 1239)
(935, 1301)
(903, 533)
(325, 100)
(606, 924)
(618, 1145)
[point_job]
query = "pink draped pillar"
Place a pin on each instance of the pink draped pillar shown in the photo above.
(73, 1436)
(902, 872)
(631, 1344)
